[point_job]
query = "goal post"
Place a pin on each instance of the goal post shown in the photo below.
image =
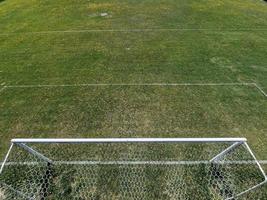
(130, 169)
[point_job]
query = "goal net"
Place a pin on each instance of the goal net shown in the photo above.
(131, 169)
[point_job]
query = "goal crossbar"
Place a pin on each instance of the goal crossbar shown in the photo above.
(126, 140)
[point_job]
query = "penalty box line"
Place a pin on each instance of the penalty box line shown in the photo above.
(260, 89)
(3, 88)
(133, 30)
(128, 84)
(137, 84)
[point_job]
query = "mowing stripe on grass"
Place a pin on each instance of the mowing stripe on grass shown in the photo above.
(136, 30)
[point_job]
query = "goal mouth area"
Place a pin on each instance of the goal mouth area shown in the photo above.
(130, 168)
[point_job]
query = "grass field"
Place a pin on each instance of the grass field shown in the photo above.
(150, 68)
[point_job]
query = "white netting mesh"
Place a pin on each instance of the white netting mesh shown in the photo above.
(130, 171)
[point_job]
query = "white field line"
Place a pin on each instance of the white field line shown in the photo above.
(130, 84)
(261, 90)
(262, 162)
(136, 30)
(2, 89)
(138, 84)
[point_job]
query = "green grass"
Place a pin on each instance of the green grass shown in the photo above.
(131, 111)
(134, 57)
(34, 15)
(220, 41)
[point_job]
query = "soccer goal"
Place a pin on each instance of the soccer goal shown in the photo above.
(131, 169)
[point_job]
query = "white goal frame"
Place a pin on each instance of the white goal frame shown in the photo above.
(235, 142)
